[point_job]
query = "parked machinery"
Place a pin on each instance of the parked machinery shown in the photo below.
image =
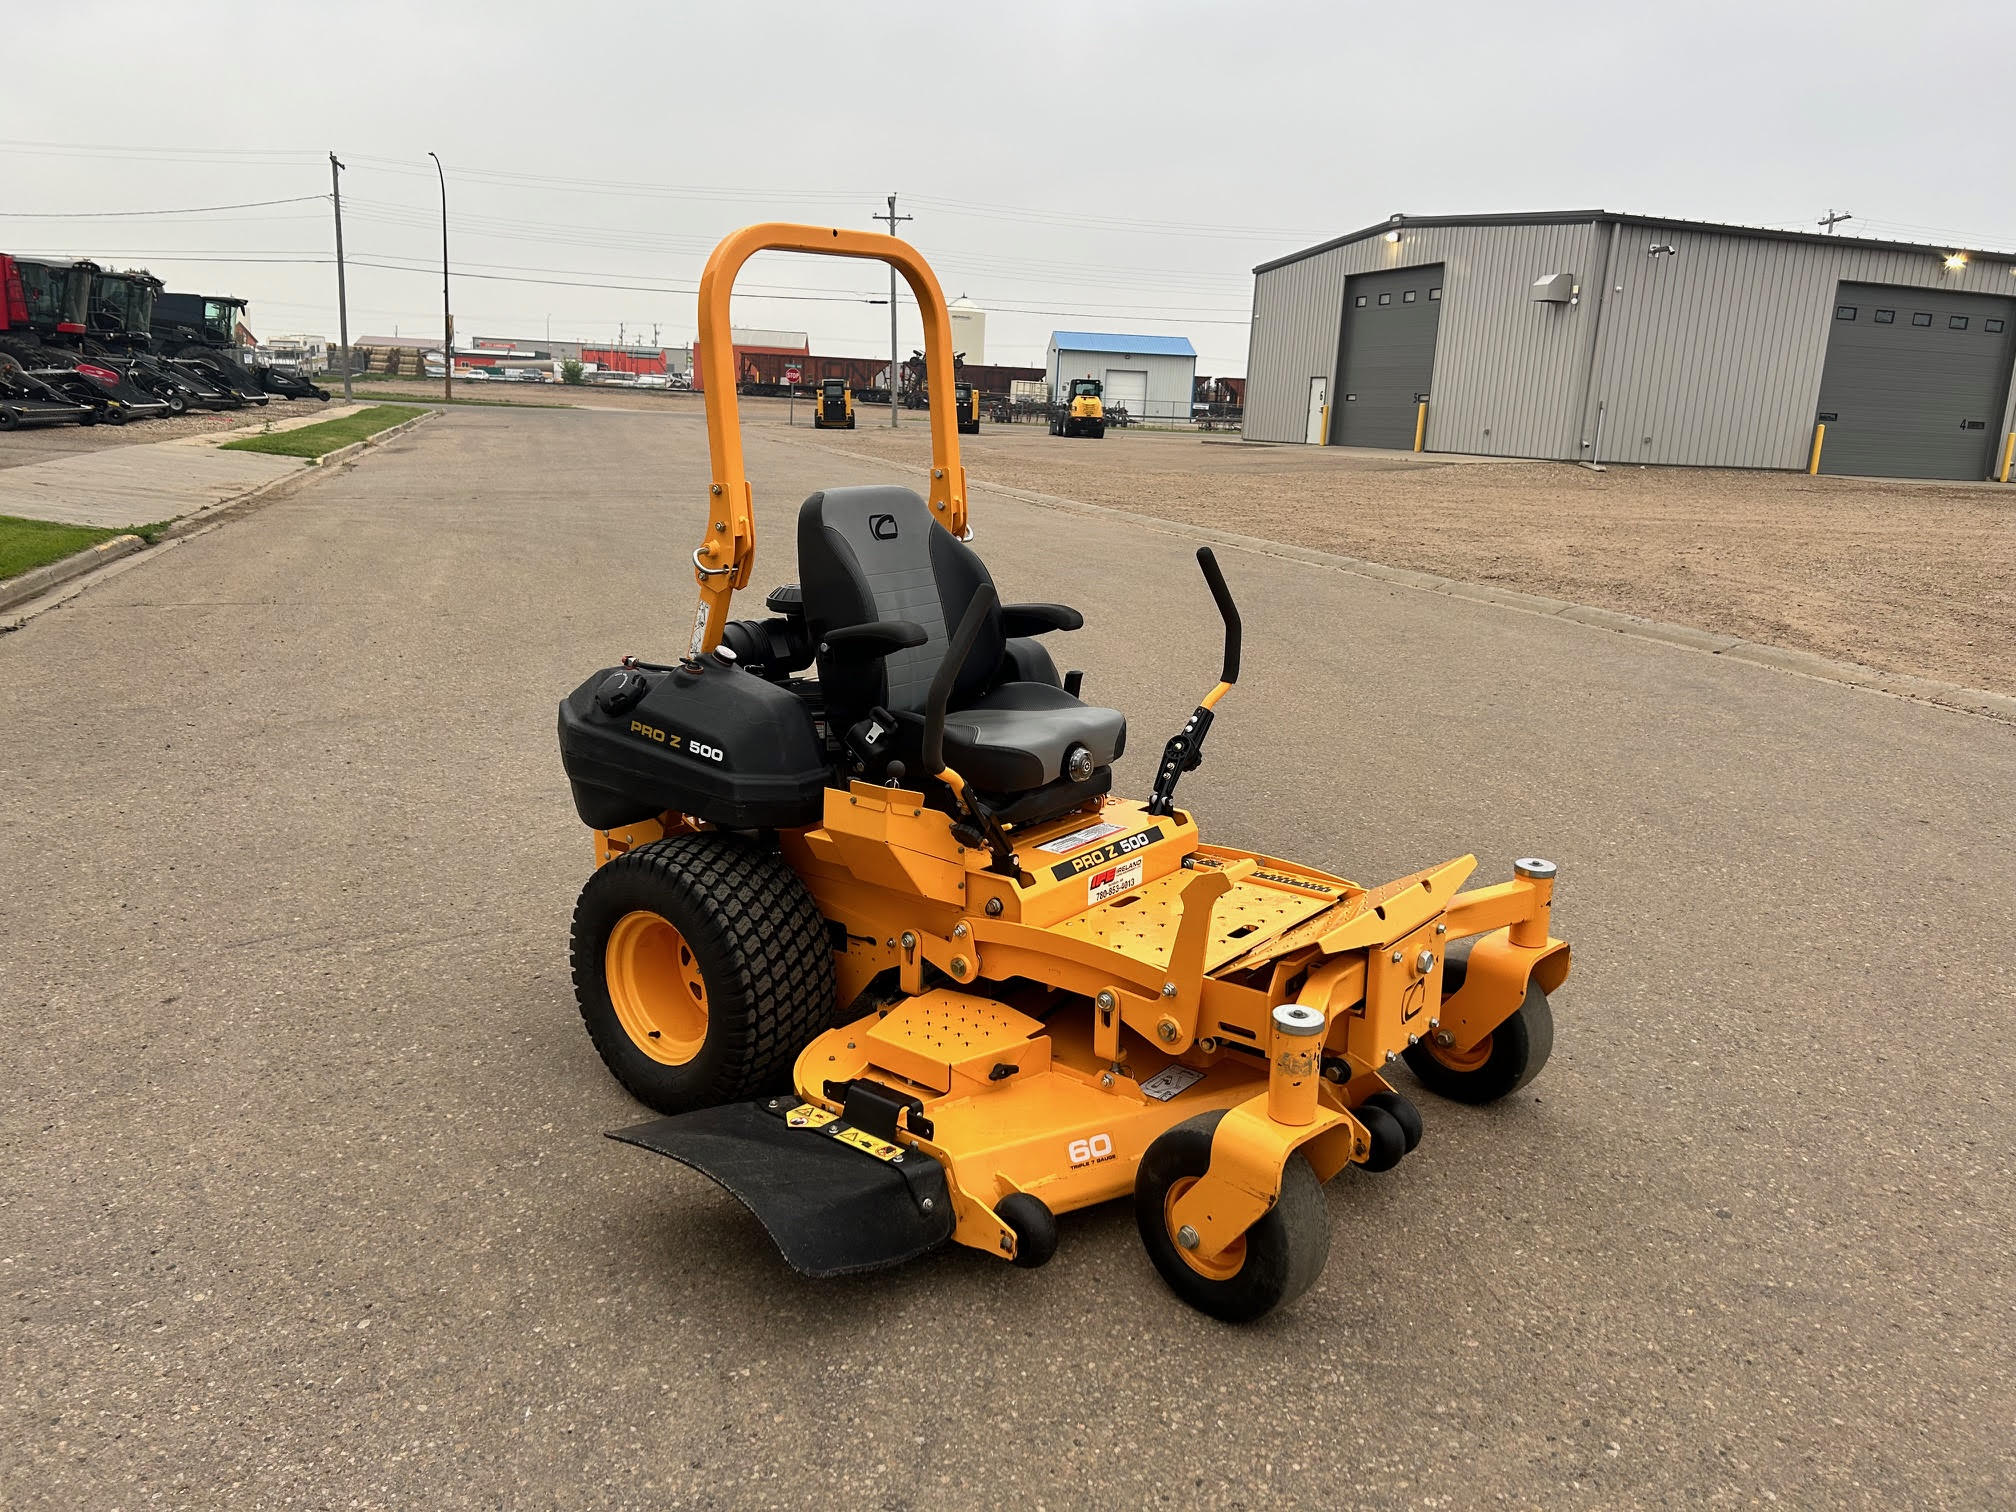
(201, 331)
(26, 400)
(42, 312)
(1080, 411)
(835, 408)
(966, 399)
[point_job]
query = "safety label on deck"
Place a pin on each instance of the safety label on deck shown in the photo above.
(1063, 845)
(1170, 1080)
(1115, 880)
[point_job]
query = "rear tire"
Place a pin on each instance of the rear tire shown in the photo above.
(1500, 1064)
(1273, 1262)
(702, 967)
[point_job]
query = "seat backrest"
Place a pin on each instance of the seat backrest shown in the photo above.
(875, 553)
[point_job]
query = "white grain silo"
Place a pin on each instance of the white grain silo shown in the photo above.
(969, 330)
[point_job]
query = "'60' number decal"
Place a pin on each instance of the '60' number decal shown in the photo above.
(1087, 1151)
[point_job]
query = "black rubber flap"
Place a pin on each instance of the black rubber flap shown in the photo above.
(830, 1209)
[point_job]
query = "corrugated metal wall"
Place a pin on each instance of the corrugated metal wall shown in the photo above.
(1171, 380)
(1507, 368)
(1712, 357)
(1713, 353)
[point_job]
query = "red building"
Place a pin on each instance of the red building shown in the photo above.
(754, 343)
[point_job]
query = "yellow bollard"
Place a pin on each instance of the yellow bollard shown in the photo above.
(1420, 424)
(1530, 933)
(1819, 435)
(1295, 1064)
(2008, 456)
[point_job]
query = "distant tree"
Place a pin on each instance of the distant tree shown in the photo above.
(570, 371)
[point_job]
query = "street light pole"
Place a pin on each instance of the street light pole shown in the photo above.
(447, 320)
(342, 298)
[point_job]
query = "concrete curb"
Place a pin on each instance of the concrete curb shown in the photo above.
(1964, 700)
(37, 581)
(43, 582)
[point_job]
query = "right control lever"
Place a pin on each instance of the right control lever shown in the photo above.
(1186, 747)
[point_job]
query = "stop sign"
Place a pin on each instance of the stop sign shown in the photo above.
(792, 375)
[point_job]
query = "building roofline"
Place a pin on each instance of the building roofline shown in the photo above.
(1621, 218)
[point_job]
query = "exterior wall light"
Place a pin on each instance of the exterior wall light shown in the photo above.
(1392, 236)
(1956, 262)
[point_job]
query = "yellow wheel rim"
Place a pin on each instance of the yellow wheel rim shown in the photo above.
(656, 988)
(1222, 1266)
(1462, 1060)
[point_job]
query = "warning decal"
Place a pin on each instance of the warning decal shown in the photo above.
(1170, 1080)
(1063, 845)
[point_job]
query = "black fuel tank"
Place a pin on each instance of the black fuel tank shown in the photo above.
(709, 740)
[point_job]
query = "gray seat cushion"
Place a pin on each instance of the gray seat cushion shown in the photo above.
(1014, 738)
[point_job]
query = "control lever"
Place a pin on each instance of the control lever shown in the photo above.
(1185, 751)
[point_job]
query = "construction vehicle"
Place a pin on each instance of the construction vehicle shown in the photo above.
(869, 843)
(119, 335)
(835, 408)
(1079, 411)
(967, 408)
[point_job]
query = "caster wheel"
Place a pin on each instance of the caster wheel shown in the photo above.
(1035, 1228)
(1274, 1261)
(1404, 1113)
(1498, 1065)
(1389, 1140)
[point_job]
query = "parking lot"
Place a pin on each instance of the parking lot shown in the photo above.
(25, 447)
(308, 1203)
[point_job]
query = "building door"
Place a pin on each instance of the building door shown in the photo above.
(1387, 356)
(1127, 388)
(1319, 400)
(1915, 382)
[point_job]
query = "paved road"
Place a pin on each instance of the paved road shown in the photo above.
(306, 1202)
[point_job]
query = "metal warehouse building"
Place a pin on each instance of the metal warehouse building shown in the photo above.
(1587, 335)
(1151, 377)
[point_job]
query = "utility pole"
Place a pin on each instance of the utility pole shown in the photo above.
(447, 320)
(895, 370)
(1830, 219)
(342, 299)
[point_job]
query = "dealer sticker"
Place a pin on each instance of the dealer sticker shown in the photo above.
(1170, 1080)
(1063, 845)
(1115, 880)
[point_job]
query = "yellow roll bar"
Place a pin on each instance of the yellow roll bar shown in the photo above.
(728, 553)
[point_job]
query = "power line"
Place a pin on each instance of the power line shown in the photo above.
(299, 199)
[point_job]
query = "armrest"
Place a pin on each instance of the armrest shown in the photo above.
(1034, 619)
(876, 638)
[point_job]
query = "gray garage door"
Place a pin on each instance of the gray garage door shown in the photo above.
(1915, 381)
(1388, 356)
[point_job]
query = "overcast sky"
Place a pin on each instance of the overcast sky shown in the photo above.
(1090, 166)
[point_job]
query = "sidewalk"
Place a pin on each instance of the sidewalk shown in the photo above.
(150, 483)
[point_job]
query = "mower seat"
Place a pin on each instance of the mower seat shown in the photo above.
(874, 554)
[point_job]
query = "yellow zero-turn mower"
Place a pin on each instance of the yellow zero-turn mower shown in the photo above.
(835, 408)
(969, 409)
(871, 932)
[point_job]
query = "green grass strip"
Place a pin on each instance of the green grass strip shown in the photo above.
(25, 544)
(321, 439)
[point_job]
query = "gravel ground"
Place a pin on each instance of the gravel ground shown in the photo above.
(44, 444)
(1908, 577)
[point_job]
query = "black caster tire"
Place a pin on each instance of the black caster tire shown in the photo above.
(1506, 1060)
(1403, 1112)
(1035, 1228)
(701, 967)
(1389, 1140)
(9, 420)
(1272, 1263)
(89, 417)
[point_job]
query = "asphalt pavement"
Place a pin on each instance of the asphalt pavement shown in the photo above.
(306, 1201)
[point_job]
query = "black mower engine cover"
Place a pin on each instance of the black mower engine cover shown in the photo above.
(705, 738)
